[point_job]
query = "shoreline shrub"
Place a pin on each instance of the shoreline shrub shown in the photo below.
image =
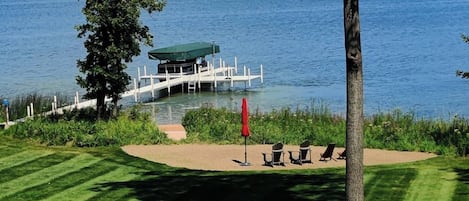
(393, 130)
(69, 129)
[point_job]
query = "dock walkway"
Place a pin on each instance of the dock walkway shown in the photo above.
(151, 83)
(210, 75)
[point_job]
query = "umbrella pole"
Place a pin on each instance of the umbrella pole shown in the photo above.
(245, 152)
(246, 163)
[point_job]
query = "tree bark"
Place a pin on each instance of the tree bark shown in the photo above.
(100, 106)
(115, 108)
(354, 131)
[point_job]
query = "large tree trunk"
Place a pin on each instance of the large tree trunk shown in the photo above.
(100, 106)
(115, 108)
(354, 133)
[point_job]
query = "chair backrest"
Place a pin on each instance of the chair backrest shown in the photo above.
(277, 150)
(304, 144)
(329, 151)
(278, 146)
(304, 149)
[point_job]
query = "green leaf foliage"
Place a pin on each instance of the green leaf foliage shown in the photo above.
(113, 34)
(460, 73)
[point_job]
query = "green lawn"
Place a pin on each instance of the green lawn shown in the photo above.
(29, 172)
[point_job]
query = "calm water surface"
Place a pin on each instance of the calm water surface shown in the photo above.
(411, 50)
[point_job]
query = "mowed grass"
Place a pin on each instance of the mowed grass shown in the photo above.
(32, 172)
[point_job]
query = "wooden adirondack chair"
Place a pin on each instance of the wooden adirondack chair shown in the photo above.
(276, 157)
(342, 155)
(328, 153)
(303, 154)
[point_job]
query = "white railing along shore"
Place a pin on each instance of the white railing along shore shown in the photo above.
(203, 75)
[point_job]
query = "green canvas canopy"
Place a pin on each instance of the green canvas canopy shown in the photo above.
(184, 52)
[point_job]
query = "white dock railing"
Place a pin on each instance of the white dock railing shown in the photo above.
(206, 74)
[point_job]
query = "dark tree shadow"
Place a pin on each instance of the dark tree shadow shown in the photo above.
(201, 185)
(462, 188)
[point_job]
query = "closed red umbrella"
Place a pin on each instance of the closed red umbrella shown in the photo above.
(245, 119)
(245, 129)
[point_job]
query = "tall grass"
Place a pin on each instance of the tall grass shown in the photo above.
(74, 129)
(403, 131)
(41, 103)
(395, 130)
(315, 123)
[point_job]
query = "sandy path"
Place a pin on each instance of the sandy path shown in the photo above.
(227, 157)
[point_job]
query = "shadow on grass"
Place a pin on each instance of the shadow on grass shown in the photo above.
(462, 188)
(390, 182)
(463, 175)
(200, 185)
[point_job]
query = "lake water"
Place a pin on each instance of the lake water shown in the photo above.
(411, 50)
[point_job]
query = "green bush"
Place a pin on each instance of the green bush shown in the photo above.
(394, 130)
(223, 126)
(69, 129)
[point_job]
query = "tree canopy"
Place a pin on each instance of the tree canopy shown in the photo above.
(461, 73)
(113, 35)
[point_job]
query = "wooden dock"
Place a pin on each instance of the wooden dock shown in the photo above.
(152, 83)
(206, 75)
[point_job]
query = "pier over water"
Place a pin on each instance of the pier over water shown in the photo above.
(194, 74)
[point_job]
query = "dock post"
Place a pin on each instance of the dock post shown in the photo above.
(215, 80)
(244, 70)
(262, 73)
(135, 89)
(225, 69)
(180, 75)
(78, 98)
(138, 74)
(75, 101)
(222, 67)
(28, 110)
(55, 103)
(144, 73)
(249, 77)
(32, 109)
(236, 65)
(198, 77)
(167, 81)
(152, 87)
